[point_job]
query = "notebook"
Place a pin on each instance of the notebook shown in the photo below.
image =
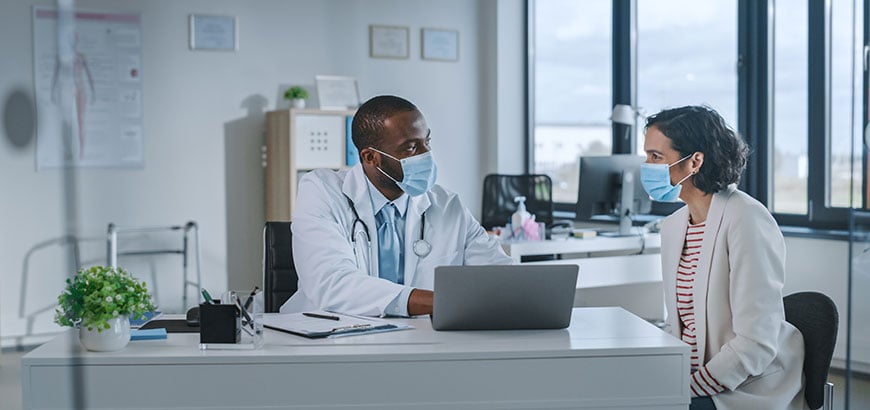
(492, 297)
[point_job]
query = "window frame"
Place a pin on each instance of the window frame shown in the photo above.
(755, 62)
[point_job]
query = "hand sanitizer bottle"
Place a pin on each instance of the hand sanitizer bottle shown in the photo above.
(519, 218)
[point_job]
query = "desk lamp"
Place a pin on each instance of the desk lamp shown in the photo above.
(625, 115)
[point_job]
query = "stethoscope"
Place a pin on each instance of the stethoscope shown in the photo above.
(421, 246)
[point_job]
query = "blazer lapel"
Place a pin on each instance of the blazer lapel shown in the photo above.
(702, 275)
(356, 188)
(670, 261)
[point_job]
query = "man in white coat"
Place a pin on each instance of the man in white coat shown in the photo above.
(367, 240)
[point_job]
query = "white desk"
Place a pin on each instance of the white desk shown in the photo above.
(630, 280)
(606, 358)
(516, 250)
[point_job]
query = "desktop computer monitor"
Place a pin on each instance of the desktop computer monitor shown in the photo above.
(600, 190)
(601, 196)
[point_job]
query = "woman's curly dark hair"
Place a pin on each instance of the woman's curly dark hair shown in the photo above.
(701, 129)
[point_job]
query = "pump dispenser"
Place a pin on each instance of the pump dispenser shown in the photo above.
(519, 218)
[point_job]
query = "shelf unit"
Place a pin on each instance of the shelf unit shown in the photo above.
(297, 141)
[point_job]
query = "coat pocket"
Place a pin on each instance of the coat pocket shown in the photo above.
(773, 369)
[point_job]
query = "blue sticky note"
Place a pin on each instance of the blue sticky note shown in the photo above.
(148, 334)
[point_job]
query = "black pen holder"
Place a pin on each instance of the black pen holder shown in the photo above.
(219, 324)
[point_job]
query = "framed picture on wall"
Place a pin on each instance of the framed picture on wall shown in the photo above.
(440, 44)
(208, 32)
(388, 41)
(337, 92)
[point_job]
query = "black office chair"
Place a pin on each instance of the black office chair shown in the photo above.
(499, 191)
(280, 280)
(815, 315)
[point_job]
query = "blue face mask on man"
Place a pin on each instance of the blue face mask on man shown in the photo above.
(420, 173)
(656, 180)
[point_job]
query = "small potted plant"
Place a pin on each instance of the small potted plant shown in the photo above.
(100, 301)
(297, 96)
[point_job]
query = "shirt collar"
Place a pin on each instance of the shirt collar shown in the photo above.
(379, 200)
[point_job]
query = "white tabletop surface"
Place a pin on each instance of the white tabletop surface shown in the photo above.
(574, 245)
(606, 358)
(593, 331)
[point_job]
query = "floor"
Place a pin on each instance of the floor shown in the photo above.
(10, 384)
(10, 378)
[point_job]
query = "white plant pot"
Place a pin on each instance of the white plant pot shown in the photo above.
(298, 103)
(114, 338)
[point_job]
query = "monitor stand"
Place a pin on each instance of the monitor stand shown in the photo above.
(626, 200)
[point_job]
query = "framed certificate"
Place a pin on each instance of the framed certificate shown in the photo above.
(440, 44)
(388, 42)
(336, 92)
(208, 32)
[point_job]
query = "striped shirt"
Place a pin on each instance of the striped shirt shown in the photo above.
(703, 383)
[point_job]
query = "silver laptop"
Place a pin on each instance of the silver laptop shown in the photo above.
(494, 297)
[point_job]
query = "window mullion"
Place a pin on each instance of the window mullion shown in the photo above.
(755, 60)
(624, 69)
(819, 111)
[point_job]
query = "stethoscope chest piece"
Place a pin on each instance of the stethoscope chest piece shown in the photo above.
(422, 248)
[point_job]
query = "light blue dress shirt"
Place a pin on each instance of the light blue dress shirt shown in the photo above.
(399, 305)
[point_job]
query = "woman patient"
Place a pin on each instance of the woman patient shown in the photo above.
(723, 265)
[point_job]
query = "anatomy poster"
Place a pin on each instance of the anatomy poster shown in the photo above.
(106, 82)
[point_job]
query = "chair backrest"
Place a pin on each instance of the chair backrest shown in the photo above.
(815, 315)
(280, 280)
(499, 191)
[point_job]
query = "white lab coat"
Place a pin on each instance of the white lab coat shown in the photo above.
(329, 275)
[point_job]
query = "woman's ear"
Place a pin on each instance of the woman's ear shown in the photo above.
(697, 160)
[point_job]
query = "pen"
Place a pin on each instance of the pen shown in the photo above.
(245, 314)
(207, 297)
(319, 316)
(251, 297)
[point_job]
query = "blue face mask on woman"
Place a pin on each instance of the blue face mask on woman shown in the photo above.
(420, 173)
(656, 180)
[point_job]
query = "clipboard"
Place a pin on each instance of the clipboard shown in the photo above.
(315, 328)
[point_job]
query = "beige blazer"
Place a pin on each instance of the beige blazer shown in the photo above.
(743, 337)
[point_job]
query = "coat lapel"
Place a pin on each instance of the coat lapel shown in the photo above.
(702, 275)
(670, 261)
(356, 188)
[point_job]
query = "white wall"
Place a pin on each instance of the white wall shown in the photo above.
(823, 266)
(203, 121)
(504, 126)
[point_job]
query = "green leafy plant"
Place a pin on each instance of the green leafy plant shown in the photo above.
(295, 92)
(101, 293)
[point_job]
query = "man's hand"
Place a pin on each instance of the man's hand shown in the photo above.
(420, 302)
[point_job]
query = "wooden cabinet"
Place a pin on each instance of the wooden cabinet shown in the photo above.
(297, 141)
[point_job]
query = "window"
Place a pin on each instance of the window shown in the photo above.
(686, 55)
(844, 168)
(572, 94)
(789, 168)
(817, 106)
(788, 74)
